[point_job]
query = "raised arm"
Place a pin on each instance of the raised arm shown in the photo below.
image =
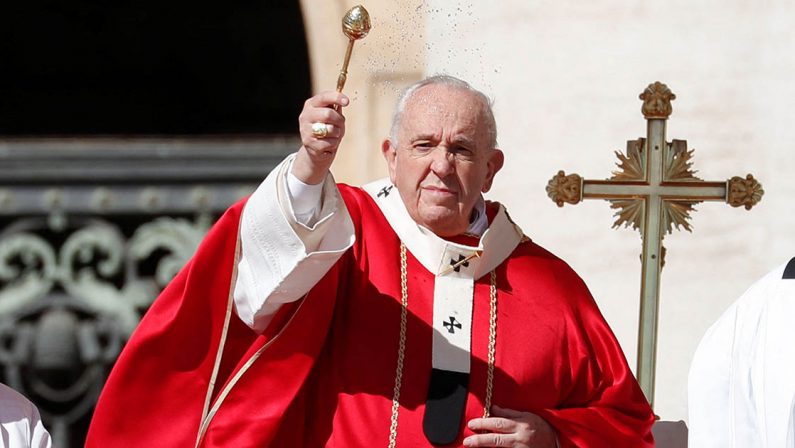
(295, 225)
(313, 161)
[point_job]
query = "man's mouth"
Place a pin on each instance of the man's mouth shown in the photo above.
(440, 191)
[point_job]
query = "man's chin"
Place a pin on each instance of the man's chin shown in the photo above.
(444, 225)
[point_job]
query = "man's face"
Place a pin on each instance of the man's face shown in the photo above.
(443, 160)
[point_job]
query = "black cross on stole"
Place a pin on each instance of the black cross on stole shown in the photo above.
(457, 263)
(452, 325)
(385, 191)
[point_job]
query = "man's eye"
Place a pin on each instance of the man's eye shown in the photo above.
(464, 152)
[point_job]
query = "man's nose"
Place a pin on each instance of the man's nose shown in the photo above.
(443, 162)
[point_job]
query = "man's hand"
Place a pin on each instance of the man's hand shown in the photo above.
(509, 428)
(315, 156)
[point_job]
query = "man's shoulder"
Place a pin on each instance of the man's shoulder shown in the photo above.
(14, 404)
(356, 198)
(529, 258)
(352, 192)
(529, 248)
(367, 216)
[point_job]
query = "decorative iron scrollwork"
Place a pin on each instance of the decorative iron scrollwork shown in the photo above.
(85, 247)
(71, 296)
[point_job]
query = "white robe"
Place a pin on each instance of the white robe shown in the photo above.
(741, 387)
(20, 423)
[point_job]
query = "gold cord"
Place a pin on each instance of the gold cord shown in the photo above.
(492, 343)
(404, 299)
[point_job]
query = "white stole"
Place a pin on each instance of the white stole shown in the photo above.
(454, 286)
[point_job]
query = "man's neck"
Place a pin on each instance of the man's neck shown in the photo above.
(478, 221)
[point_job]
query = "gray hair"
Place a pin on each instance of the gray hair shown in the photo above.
(445, 80)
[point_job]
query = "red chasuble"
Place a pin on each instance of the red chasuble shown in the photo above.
(323, 373)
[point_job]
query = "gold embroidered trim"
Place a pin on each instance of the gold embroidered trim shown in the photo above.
(221, 344)
(243, 369)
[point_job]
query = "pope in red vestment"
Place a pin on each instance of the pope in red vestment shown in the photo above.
(381, 320)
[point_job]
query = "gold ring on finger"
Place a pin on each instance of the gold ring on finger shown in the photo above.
(321, 130)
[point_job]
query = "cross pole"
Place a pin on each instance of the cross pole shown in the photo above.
(653, 190)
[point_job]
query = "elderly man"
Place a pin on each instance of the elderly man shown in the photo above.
(409, 312)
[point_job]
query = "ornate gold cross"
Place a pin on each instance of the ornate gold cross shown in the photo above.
(653, 190)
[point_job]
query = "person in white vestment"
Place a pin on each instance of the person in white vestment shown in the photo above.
(20, 422)
(741, 387)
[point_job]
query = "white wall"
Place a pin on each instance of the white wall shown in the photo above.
(566, 77)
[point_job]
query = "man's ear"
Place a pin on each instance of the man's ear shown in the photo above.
(390, 155)
(493, 166)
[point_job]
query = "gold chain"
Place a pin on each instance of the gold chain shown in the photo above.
(404, 299)
(492, 343)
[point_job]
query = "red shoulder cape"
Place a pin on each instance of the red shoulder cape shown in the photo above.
(156, 392)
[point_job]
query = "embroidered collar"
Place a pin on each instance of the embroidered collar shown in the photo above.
(436, 254)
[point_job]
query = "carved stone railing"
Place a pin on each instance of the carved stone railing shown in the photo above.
(90, 232)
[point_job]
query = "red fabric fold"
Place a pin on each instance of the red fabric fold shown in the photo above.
(327, 375)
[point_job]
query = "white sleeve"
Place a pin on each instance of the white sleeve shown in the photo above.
(20, 421)
(281, 258)
(306, 199)
(40, 438)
